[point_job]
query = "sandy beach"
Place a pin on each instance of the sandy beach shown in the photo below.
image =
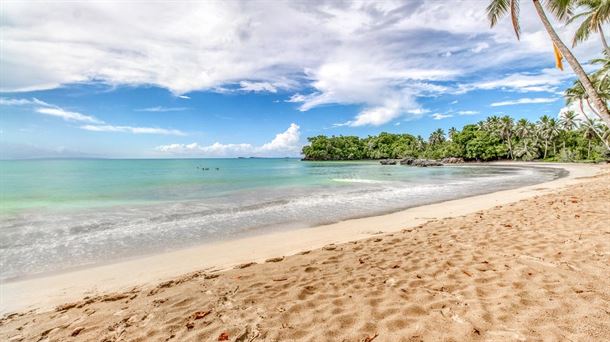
(521, 264)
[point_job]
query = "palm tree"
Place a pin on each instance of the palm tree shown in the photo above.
(523, 129)
(437, 137)
(596, 13)
(491, 124)
(562, 9)
(548, 130)
(452, 131)
(505, 129)
(526, 150)
(420, 143)
(568, 120)
(589, 131)
(606, 137)
(577, 94)
(553, 131)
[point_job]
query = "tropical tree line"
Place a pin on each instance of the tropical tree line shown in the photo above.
(566, 139)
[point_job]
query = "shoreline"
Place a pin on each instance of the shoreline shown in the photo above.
(47, 291)
(560, 173)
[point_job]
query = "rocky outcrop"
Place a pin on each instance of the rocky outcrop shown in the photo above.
(452, 160)
(407, 161)
(426, 163)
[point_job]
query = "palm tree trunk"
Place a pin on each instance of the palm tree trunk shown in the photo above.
(589, 150)
(604, 42)
(576, 67)
(546, 146)
(594, 128)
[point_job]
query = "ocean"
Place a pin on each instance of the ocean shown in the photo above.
(61, 214)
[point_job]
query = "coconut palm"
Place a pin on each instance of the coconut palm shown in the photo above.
(554, 129)
(506, 131)
(547, 130)
(569, 120)
(523, 129)
(606, 137)
(437, 137)
(451, 133)
(491, 124)
(526, 150)
(576, 94)
(589, 131)
(562, 9)
(596, 13)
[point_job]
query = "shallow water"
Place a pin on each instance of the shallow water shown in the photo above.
(58, 214)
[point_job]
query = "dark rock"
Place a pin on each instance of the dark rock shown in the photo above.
(407, 161)
(452, 160)
(388, 162)
(426, 163)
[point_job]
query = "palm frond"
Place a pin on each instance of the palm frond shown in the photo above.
(562, 9)
(603, 12)
(514, 16)
(577, 16)
(496, 10)
(582, 32)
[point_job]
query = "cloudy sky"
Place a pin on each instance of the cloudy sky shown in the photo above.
(236, 78)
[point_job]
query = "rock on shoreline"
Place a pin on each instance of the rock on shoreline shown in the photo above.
(452, 160)
(412, 162)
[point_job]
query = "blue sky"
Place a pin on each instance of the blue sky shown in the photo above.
(229, 79)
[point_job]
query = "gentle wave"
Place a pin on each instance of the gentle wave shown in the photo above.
(357, 180)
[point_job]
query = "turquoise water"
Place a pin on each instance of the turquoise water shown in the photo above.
(57, 214)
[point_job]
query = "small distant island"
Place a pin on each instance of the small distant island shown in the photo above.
(567, 139)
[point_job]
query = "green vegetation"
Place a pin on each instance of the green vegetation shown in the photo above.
(566, 139)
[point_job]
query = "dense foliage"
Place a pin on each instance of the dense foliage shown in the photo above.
(566, 139)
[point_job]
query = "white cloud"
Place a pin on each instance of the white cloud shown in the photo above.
(480, 47)
(98, 125)
(134, 130)
(467, 112)
(525, 100)
(284, 144)
(439, 116)
(4, 101)
(257, 86)
(547, 80)
(376, 116)
(285, 141)
(162, 109)
(50, 109)
(14, 102)
(215, 150)
(378, 55)
(184, 97)
(68, 116)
